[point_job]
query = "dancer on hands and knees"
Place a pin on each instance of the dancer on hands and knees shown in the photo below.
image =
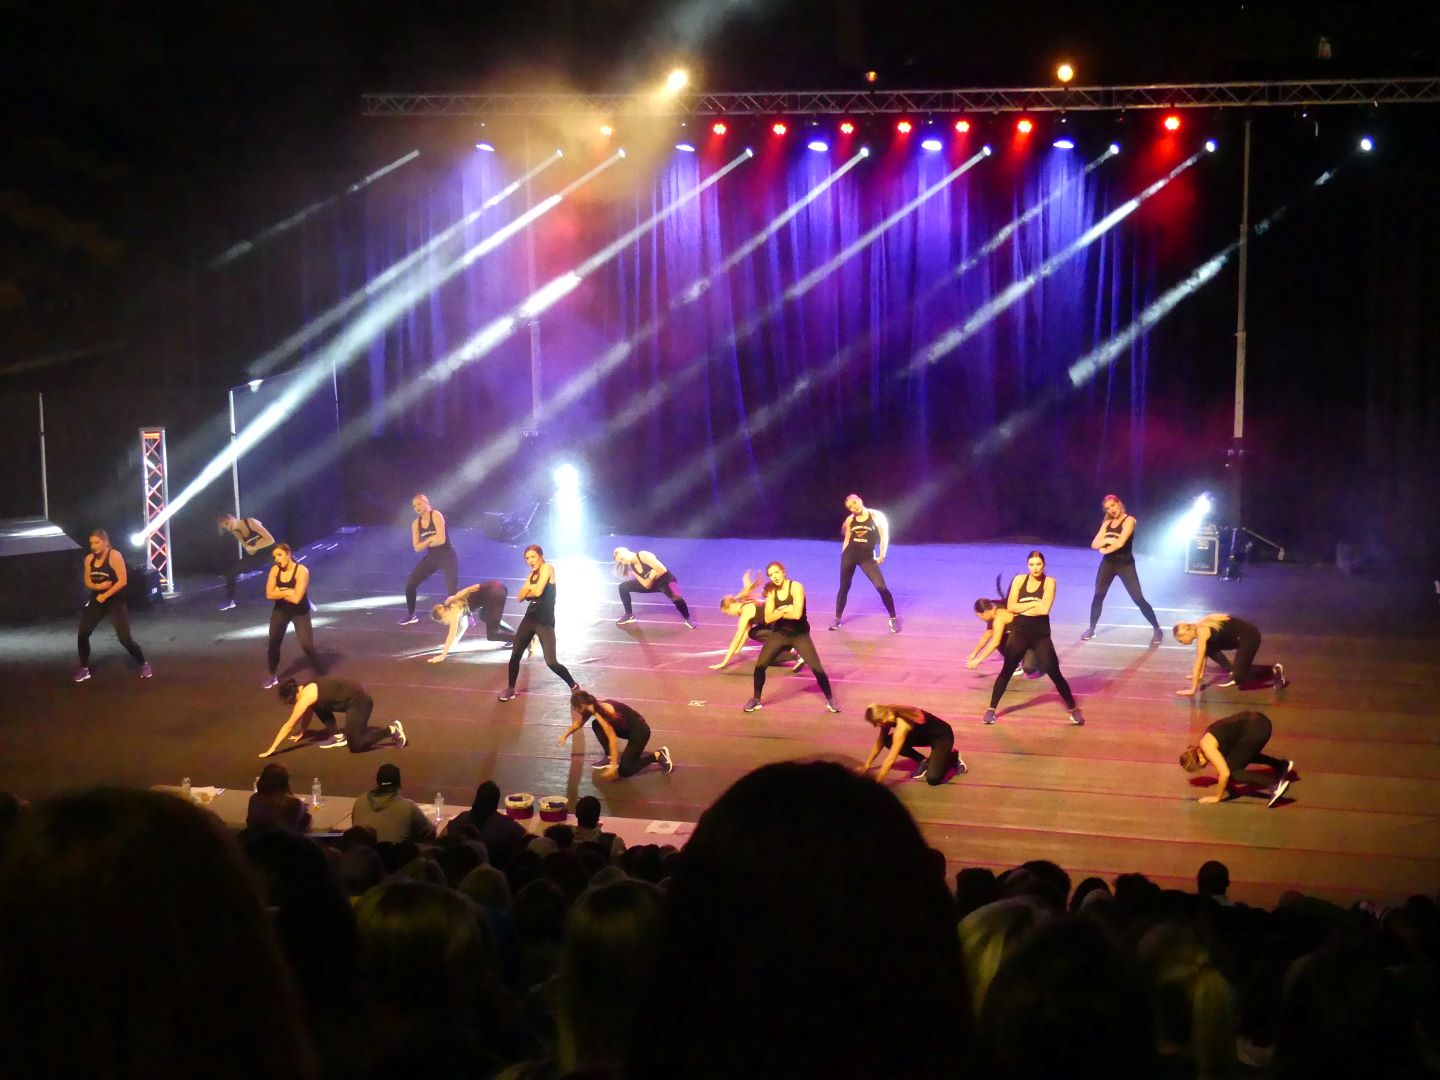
(867, 539)
(1031, 597)
(614, 722)
(105, 579)
(643, 572)
(988, 611)
(289, 587)
(746, 608)
(539, 620)
(322, 699)
(1115, 540)
(900, 729)
(1230, 746)
(429, 535)
(790, 628)
(1215, 633)
(255, 543)
(478, 603)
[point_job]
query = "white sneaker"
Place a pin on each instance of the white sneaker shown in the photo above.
(228, 605)
(409, 620)
(667, 765)
(398, 730)
(270, 683)
(81, 674)
(334, 742)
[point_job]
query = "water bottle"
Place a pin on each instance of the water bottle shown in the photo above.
(315, 799)
(255, 784)
(185, 789)
(439, 808)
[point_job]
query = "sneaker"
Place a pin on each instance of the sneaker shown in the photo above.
(691, 625)
(799, 665)
(81, 674)
(1289, 768)
(835, 625)
(1278, 670)
(1087, 633)
(1229, 681)
(989, 717)
(626, 620)
(228, 605)
(920, 767)
(667, 764)
(600, 763)
(894, 622)
(270, 683)
(409, 620)
(1077, 717)
(334, 742)
(753, 705)
(145, 671)
(958, 763)
(1280, 789)
(398, 730)
(830, 705)
(508, 694)
(1158, 637)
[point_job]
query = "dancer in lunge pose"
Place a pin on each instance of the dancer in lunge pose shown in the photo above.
(745, 608)
(1114, 541)
(478, 603)
(987, 611)
(255, 544)
(867, 538)
(539, 620)
(430, 535)
(289, 587)
(785, 616)
(643, 572)
(1217, 632)
(612, 722)
(900, 729)
(105, 578)
(323, 698)
(1231, 746)
(1031, 597)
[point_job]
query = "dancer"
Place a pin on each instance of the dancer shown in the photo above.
(255, 543)
(744, 607)
(1114, 541)
(900, 729)
(1219, 631)
(323, 698)
(105, 576)
(643, 572)
(1028, 627)
(987, 610)
(785, 616)
(867, 538)
(1232, 745)
(539, 620)
(458, 612)
(429, 534)
(289, 587)
(613, 721)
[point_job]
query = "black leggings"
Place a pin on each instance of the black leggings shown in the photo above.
(359, 735)
(93, 614)
(941, 747)
(442, 559)
(249, 561)
(1244, 667)
(863, 558)
(802, 644)
(530, 628)
(303, 634)
(1107, 573)
(666, 583)
(633, 758)
(491, 610)
(1246, 752)
(1016, 643)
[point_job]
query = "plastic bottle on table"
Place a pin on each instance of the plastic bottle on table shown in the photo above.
(315, 797)
(439, 808)
(185, 789)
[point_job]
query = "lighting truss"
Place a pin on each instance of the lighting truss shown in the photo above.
(157, 499)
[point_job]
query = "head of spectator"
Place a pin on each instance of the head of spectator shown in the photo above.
(1192, 1001)
(1085, 888)
(488, 887)
(1213, 879)
(991, 933)
(975, 887)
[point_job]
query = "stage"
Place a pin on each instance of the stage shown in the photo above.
(1360, 720)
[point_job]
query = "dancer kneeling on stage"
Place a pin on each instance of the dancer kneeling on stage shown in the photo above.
(1217, 632)
(785, 616)
(479, 603)
(289, 587)
(643, 572)
(744, 607)
(255, 542)
(539, 620)
(1231, 746)
(323, 698)
(105, 578)
(429, 534)
(900, 729)
(613, 721)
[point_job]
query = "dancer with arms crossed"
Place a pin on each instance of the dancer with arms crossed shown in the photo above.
(105, 577)
(289, 587)
(745, 607)
(1115, 541)
(430, 535)
(785, 615)
(539, 620)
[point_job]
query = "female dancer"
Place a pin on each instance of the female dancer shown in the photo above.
(1031, 597)
(539, 620)
(643, 572)
(987, 610)
(613, 721)
(744, 607)
(785, 615)
(289, 587)
(458, 612)
(867, 538)
(105, 577)
(429, 534)
(324, 698)
(1114, 541)
(1232, 745)
(255, 543)
(901, 728)
(1219, 631)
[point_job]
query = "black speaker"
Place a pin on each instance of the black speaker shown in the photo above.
(142, 588)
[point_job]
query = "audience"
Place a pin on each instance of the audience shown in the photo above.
(393, 817)
(273, 805)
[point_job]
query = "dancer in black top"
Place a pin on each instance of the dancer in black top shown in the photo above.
(1231, 746)
(289, 587)
(987, 610)
(612, 722)
(539, 620)
(745, 607)
(323, 698)
(1115, 541)
(1026, 627)
(478, 603)
(785, 616)
(431, 535)
(643, 572)
(900, 729)
(255, 544)
(105, 577)
(867, 539)
(1216, 632)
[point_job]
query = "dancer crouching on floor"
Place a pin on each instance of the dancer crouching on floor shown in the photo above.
(643, 572)
(479, 603)
(900, 729)
(1216, 632)
(289, 587)
(539, 620)
(613, 721)
(785, 616)
(1231, 746)
(323, 698)
(105, 577)
(744, 607)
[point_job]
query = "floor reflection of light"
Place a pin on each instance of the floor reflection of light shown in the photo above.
(365, 603)
(263, 631)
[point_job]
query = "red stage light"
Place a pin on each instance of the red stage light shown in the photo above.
(719, 127)
(1172, 122)
(1025, 126)
(962, 126)
(779, 127)
(847, 128)
(904, 127)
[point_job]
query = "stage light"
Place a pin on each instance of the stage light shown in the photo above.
(567, 510)
(864, 151)
(871, 76)
(904, 127)
(1209, 146)
(719, 127)
(254, 384)
(986, 150)
(1064, 144)
(606, 130)
(779, 127)
(962, 126)
(485, 146)
(932, 145)
(1366, 143)
(818, 145)
(566, 477)
(1187, 524)
(685, 146)
(847, 128)
(1065, 73)
(1172, 123)
(677, 80)
(1025, 126)
(1114, 148)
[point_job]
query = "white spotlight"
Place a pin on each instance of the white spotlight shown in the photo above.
(1209, 146)
(1114, 149)
(818, 145)
(986, 151)
(567, 478)
(864, 151)
(485, 146)
(685, 146)
(932, 145)
(1188, 523)
(677, 80)
(1366, 143)
(255, 384)
(1064, 144)
(137, 539)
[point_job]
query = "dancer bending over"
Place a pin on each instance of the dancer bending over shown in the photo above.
(1215, 633)
(429, 534)
(1231, 746)
(1114, 541)
(785, 616)
(987, 611)
(478, 603)
(643, 572)
(105, 578)
(323, 698)
(289, 587)
(867, 538)
(255, 543)
(900, 729)
(539, 620)
(744, 607)
(612, 722)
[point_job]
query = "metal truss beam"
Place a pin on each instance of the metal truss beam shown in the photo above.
(1231, 95)
(157, 498)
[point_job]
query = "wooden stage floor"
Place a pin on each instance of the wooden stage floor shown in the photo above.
(1361, 718)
